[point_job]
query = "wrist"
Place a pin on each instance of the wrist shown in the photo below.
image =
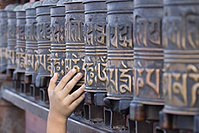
(56, 117)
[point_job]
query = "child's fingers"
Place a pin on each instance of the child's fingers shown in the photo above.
(77, 102)
(71, 84)
(65, 79)
(53, 81)
(75, 95)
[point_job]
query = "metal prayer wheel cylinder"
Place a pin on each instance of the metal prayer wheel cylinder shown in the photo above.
(75, 46)
(95, 57)
(180, 62)
(44, 47)
(120, 49)
(3, 40)
(4, 36)
(32, 59)
(44, 42)
(21, 42)
(16, 79)
(148, 60)
(31, 42)
(95, 47)
(120, 62)
(181, 51)
(58, 46)
(20, 48)
(11, 54)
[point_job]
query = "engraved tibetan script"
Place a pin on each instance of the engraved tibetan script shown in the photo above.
(57, 29)
(120, 79)
(74, 31)
(95, 34)
(181, 32)
(43, 31)
(120, 36)
(147, 78)
(182, 89)
(147, 31)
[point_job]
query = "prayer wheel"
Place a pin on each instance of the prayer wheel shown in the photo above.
(44, 48)
(148, 60)
(95, 58)
(120, 63)
(32, 61)
(3, 40)
(75, 47)
(58, 46)
(120, 49)
(4, 36)
(20, 48)
(181, 63)
(11, 54)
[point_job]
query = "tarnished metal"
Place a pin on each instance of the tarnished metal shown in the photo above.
(58, 46)
(180, 42)
(148, 60)
(95, 49)
(75, 41)
(4, 36)
(20, 48)
(16, 82)
(44, 47)
(32, 59)
(74, 36)
(11, 53)
(120, 61)
(120, 49)
(21, 42)
(181, 75)
(113, 65)
(95, 58)
(3, 40)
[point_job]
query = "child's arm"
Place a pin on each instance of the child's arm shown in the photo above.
(62, 104)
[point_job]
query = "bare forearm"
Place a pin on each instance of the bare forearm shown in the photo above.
(56, 124)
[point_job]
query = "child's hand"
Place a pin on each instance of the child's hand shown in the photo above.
(62, 104)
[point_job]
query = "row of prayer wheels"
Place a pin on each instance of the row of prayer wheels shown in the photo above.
(140, 58)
